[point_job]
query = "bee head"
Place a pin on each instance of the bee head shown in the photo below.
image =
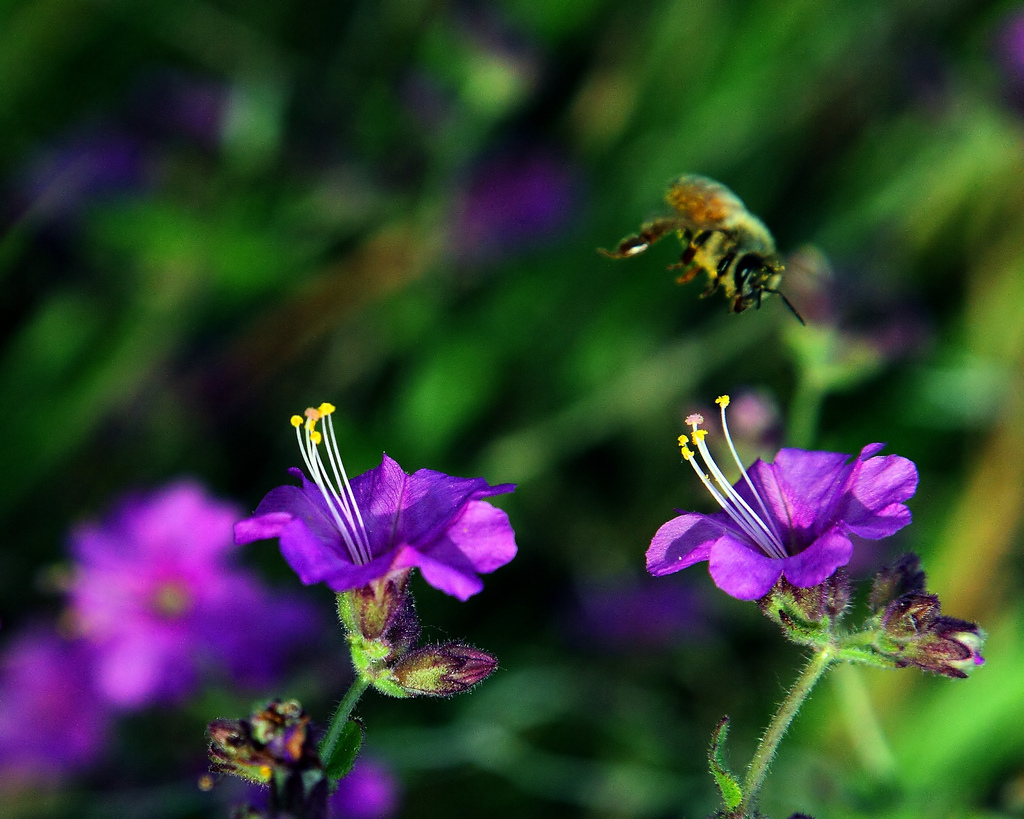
(752, 275)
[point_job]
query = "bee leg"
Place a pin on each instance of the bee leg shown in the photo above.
(689, 270)
(649, 233)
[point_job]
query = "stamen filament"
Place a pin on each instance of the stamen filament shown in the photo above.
(341, 508)
(739, 509)
(338, 466)
(723, 402)
(767, 539)
(738, 519)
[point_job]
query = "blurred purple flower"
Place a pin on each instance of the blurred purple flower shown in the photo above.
(370, 791)
(52, 721)
(97, 163)
(155, 590)
(793, 517)
(385, 521)
(511, 201)
(638, 615)
(1010, 54)
(171, 103)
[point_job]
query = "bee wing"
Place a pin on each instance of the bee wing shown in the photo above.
(703, 204)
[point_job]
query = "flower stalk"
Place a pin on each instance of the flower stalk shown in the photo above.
(758, 770)
(336, 730)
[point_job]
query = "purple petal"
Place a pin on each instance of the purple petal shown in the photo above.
(797, 487)
(819, 560)
(681, 542)
(445, 568)
(484, 535)
(413, 509)
(310, 555)
(261, 527)
(741, 571)
(872, 505)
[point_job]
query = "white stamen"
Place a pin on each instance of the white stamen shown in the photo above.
(341, 503)
(760, 502)
(764, 535)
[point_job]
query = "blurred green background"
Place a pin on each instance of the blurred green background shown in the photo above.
(215, 214)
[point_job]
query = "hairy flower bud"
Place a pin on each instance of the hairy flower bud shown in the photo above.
(914, 632)
(442, 670)
(905, 576)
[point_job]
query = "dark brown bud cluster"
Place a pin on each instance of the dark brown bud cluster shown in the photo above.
(913, 630)
(273, 746)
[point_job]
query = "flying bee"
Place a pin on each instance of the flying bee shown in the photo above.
(721, 238)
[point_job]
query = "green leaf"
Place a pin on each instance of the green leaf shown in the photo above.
(730, 789)
(346, 750)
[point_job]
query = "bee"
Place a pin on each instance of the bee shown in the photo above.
(721, 238)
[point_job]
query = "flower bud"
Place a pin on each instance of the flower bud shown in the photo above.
(442, 670)
(905, 576)
(914, 632)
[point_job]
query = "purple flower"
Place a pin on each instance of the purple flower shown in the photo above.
(370, 791)
(155, 590)
(514, 201)
(52, 722)
(635, 615)
(793, 517)
(350, 534)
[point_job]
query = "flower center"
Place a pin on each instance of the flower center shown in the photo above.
(339, 497)
(172, 599)
(759, 528)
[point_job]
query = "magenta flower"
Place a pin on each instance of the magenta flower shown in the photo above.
(349, 534)
(791, 518)
(156, 592)
(52, 722)
(370, 791)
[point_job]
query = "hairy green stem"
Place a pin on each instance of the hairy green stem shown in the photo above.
(341, 715)
(820, 660)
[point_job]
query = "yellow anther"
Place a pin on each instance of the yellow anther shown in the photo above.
(326, 409)
(687, 452)
(698, 435)
(683, 439)
(315, 436)
(722, 401)
(296, 421)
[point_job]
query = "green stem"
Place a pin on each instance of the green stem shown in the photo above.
(341, 715)
(819, 661)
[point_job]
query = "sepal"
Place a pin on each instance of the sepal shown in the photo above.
(807, 615)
